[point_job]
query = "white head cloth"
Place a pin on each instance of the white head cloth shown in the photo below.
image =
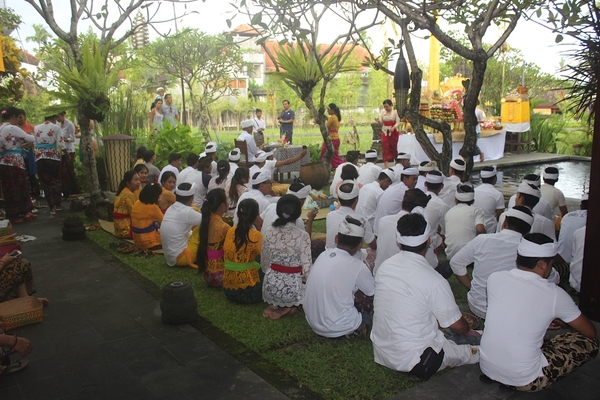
(585, 197)
(247, 123)
(302, 193)
(410, 171)
(528, 188)
(513, 212)
(488, 174)
(455, 165)
(203, 154)
(353, 193)
(349, 229)
(462, 196)
(432, 178)
(371, 153)
(537, 182)
(262, 176)
(530, 249)
(547, 175)
(403, 156)
(390, 173)
(430, 166)
(185, 193)
(211, 147)
(234, 155)
(414, 241)
(261, 156)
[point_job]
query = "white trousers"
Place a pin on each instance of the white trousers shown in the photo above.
(458, 354)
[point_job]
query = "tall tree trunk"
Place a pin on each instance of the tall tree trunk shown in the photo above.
(418, 121)
(469, 118)
(91, 171)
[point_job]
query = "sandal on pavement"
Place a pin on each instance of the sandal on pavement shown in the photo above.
(30, 217)
(15, 366)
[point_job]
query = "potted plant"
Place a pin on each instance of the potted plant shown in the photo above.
(316, 173)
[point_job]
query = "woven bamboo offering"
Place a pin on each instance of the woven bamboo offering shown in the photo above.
(21, 311)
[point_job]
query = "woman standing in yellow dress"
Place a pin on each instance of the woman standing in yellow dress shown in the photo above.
(124, 202)
(241, 279)
(333, 127)
(146, 218)
(212, 233)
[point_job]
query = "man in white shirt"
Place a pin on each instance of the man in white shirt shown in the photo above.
(176, 226)
(169, 110)
(69, 180)
(335, 278)
(576, 267)
(488, 254)
(234, 158)
(259, 127)
(265, 161)
(370, 171)
(261, 187)
(411, 302)
(390, 202)
(568, 225)
(351, 158)
(528, 195)
(542, 207)
(201, 177)
(521, 305)
(488, 198)
(551, 194)
(463, 221)
(436, 212)
(456, 171)
(370, 193)
(424, 168)
(173, 165)
(402, 162)
(192, 165)
(348, 194)
(246, 135)
(211, 151)
(387, 246)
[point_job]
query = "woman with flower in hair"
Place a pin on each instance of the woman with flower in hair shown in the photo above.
(146, 218)
(389, 132)
(241, 279)
(13, 174)
(124, 202)
(212, 233)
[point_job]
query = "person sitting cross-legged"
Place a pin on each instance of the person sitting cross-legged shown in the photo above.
(522, 303)
(178, 222)
(411, 301)
(337, 285)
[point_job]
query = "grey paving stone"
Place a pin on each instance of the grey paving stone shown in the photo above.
(130, 389)
(12, 393)
(169, 380)
(54, 387)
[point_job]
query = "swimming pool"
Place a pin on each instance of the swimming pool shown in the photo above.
(573, 178)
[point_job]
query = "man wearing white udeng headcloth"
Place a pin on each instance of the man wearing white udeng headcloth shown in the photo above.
(457, 169)
(489, 254)
(390, 202)
(542, 207)
(553, 195)
(411, 301)
(521, 305)
(488, 198)
(370, 171)
(463, 221)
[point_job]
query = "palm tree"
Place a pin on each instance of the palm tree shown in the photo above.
(40, 36)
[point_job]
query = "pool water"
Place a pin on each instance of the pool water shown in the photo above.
(573, 178)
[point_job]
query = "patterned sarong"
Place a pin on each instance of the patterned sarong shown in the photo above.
(15, 191)
(49, 173)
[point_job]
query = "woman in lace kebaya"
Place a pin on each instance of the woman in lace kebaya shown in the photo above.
(285, 259)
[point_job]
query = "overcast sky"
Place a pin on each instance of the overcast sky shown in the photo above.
(536, 42)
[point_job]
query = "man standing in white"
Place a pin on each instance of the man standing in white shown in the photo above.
(542, 207)
(390, 202)
(259, 127)
(246, 135)
(387, 245)
(463, 222)
(528, 195)
(169, 110)
(334, 279)
(488, 254)
(371, 192)
(521, 305)
(411, 301)
(551, 194)
(568, 225)
(488, 198)
(348, 194)
(370, 171)
(457, 169)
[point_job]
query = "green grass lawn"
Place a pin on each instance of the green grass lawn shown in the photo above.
(335, 369)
